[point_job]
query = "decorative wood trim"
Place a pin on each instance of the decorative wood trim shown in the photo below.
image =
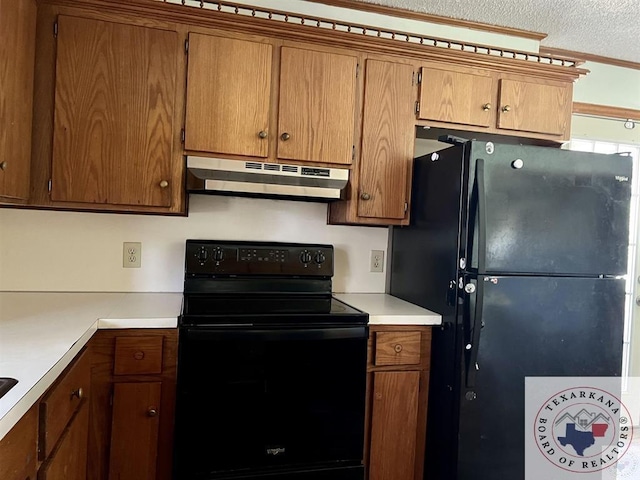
(588, 57)
(319, 31)
(606, 111)
(428, 17)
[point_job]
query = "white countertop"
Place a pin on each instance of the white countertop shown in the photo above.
(386, 309)
(40, 333)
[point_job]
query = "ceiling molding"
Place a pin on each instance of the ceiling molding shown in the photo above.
(606, 111)
(426, 17)
(588, 57)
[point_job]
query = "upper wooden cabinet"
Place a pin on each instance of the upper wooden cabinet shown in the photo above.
(228, 93)
(317, 106)
(487, 101)
(17, 57)
(113, 135)
(537, 107)
(279, 103)
(463, 96)
(380, 182)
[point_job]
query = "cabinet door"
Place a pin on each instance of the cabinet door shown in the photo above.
(456, 97)
(317, 106)
(114, 110)
(535, 107)
(17, 56)
(394, 425)
(134, 431)
(228, 91)
(387, 140)
(69, 460)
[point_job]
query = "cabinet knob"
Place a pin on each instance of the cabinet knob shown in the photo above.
(262, 134)
(365, 196)
(3, 165)
(285, 136)
(164, 184)
(486, 107)
(139, 355)
(398, 348)
(79, 393)
(152, 412)
(506, 108)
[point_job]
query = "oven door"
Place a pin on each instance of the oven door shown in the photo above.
(267, 399)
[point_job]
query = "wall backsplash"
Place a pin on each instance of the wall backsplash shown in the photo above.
(70, 251)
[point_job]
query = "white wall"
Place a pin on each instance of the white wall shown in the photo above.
(609, 85)
(70, 251)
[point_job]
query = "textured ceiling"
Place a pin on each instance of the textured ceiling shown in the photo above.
(610, 28)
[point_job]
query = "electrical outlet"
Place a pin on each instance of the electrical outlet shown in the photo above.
(131, 254)
(377, 261)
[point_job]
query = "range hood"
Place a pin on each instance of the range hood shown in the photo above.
(216, 175)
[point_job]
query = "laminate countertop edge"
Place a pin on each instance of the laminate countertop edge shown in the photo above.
(384, 309)
(42, 332)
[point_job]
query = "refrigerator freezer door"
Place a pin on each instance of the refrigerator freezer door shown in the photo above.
(548, 211)
(530, 326)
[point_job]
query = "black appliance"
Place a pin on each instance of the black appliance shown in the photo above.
(520, 249)
(271, 368)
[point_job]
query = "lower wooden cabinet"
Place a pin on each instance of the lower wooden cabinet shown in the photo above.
(133, 381)
(18, 449)
(397, 392)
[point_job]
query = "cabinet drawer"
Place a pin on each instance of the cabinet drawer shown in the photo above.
(138, 355)
(397, 348)
(62, 401)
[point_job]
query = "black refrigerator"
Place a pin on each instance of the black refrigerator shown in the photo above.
(521, 249)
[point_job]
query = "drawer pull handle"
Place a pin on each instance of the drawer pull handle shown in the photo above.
(398, 348)
(79, 393)
(152, 412)
(139, 355)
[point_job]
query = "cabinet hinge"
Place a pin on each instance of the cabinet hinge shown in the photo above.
(419, 78)
(186, 46)
(55, 29)
(182, 135)
(406, 207)
(353, 153)
(49, 185)
(417, 109)
(357, 70)
(111, 397)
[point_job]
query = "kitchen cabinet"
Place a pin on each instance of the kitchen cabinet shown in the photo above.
(397, 393)
(113, 118)
(232, 108)
(380, 184)
(482, 100)
(17, 57)
(18, 449)
(64, 422)
(228, 100)
(132, 409)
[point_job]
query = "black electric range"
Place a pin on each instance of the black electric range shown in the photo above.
(271, 368)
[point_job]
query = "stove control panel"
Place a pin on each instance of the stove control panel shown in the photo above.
(210, 257)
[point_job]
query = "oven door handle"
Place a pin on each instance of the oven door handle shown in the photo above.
(275, 334)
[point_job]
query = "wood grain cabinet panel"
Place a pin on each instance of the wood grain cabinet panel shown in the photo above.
(393, 426)
(457, 97)
(228, 94)
(316, 118)
(69, 459)
(398, 348)
(138, 355)
(114, 110)
(387, 141)
(17, 57)
(535, 107)
(134, 432)
(62, 401)
(18, 449)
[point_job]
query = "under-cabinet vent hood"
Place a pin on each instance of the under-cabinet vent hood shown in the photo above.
(216, 175)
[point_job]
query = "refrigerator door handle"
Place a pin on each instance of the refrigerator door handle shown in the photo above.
(475, 325)
(482, 216)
